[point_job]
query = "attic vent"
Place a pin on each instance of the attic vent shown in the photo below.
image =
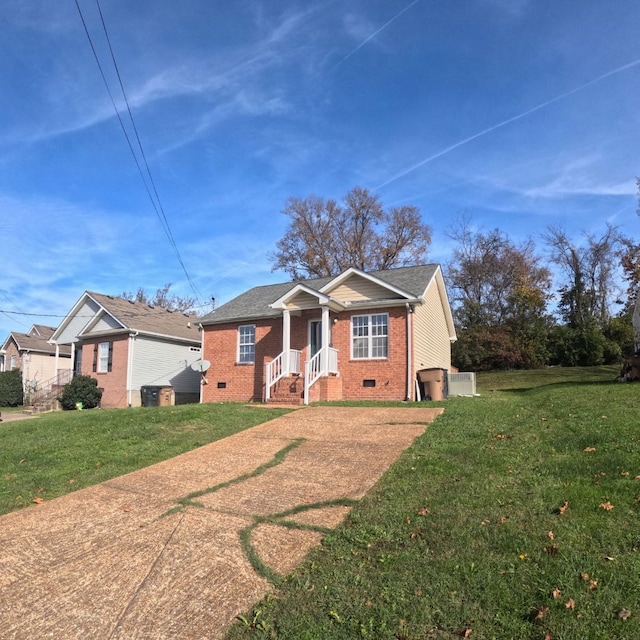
(131, 301)
(151, 306)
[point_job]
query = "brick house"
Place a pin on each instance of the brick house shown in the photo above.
(130, 345)
(354, 336)
(36, 358)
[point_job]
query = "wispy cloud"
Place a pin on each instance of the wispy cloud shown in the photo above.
(233, 81)
(504, 123)
(375, 33)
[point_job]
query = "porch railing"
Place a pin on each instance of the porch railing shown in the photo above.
(48, 388)
(323, 363)
(282, 365)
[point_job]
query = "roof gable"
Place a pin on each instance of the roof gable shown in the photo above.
(33, 343)
(353, 286)
(99, 314)
(301, 296)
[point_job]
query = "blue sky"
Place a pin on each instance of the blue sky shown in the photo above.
(521, 113)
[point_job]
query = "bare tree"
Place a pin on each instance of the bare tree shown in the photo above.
(325, 237)
(161, 298)
(589, 274)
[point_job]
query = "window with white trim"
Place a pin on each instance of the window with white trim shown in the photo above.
(247, 343)
(103, 357)
(370, 336)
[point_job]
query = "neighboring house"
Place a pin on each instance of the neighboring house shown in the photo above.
(36, 358)
(130, 345)
(354, 336)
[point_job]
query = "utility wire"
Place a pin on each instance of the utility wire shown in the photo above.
(156, 203)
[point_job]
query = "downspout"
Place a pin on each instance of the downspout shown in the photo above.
(203, 380)
(409, 352)
(132, 341)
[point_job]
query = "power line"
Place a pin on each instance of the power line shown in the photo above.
(156, 203)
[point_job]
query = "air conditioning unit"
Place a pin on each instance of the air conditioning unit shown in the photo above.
(462, 383)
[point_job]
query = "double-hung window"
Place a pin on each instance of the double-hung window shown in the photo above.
(246, 343)
(103, 357)
(370, 336)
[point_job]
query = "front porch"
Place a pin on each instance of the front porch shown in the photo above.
(290, 382)
(287, 376)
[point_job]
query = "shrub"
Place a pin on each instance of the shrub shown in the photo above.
(82, 389)
(11, 388)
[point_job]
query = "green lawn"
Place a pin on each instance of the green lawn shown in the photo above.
(515, 516)
(55, 453)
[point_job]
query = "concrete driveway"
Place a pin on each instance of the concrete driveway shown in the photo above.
(158, 553)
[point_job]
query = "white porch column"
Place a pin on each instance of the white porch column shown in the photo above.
(57, 360)
(326, 332)
(286, 338)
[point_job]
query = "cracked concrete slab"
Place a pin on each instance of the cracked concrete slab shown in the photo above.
(127, 559)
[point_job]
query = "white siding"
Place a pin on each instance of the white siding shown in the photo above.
(105, 323)
(158, 363)
(80, 320)
(432, 346)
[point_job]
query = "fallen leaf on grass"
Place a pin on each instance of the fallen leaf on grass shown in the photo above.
(624, 614)
(550, 535)
(593, 584)
(607, 506)
(502, 520)
(563, 507)
(585, 576)
(464, 633)
(423, 512)
(570, 604)
(38, 500)
(552, 549)
(625, 474)
(547, 636)
(502, 436)
(589, 449)
(556, 593)
(542, 612)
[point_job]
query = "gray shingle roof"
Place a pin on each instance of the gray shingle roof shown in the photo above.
(254, 303)
(138, 316)
(30, 342)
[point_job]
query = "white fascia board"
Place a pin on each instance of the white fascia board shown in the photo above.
(339, 279)
(438, 278)
(358, 305)
(69, 317)
(281, 303)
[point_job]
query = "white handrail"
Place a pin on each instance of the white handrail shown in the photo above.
(282, 365)
(322, 364)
